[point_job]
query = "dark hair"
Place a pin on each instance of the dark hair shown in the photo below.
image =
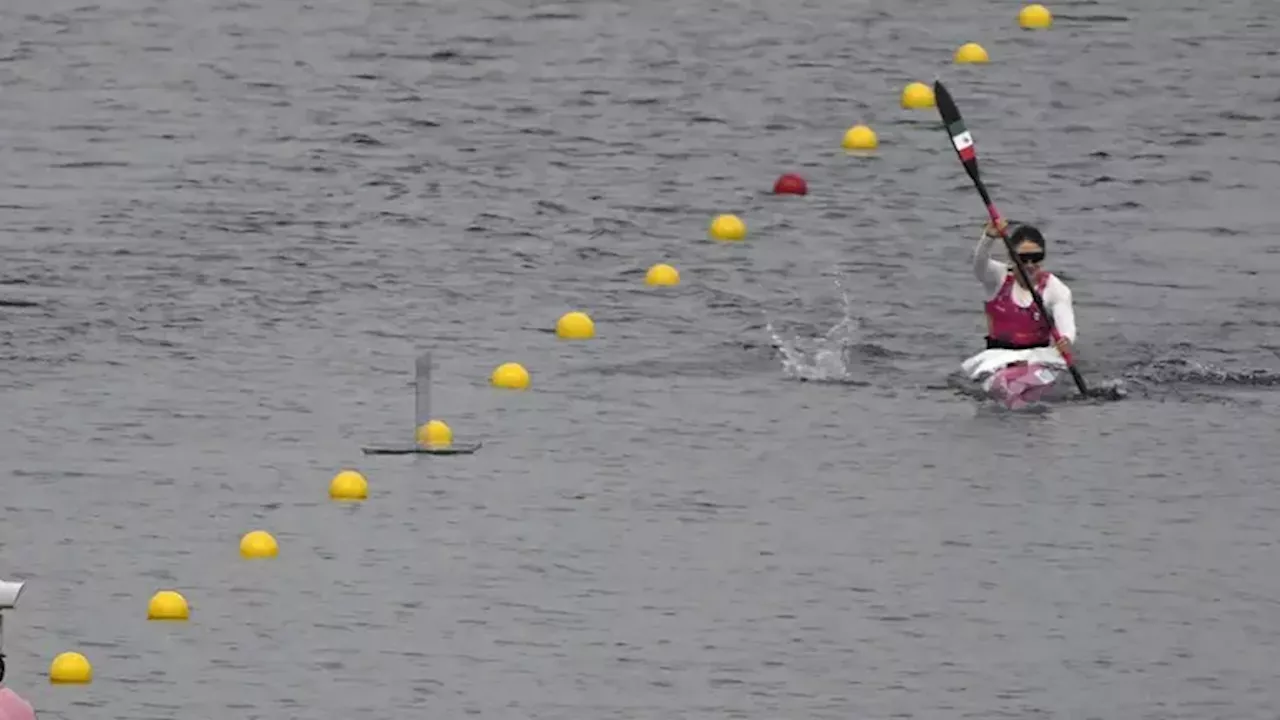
(1028, 232)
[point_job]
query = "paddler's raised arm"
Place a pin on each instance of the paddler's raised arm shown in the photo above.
(989, 272)
(1057, 296)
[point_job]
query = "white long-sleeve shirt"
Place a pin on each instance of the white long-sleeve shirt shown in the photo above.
(1056, 295)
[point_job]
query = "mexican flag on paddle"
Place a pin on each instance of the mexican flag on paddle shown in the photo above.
(962, 140)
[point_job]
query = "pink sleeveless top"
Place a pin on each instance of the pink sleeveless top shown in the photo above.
(1014, 325)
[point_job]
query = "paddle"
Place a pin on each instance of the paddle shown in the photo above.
(964, 145)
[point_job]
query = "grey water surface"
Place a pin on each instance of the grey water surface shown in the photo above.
(242, 220)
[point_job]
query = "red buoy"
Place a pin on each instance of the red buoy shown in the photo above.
(790, 184)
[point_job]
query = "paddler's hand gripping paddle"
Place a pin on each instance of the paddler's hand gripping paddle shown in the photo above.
(963, 142)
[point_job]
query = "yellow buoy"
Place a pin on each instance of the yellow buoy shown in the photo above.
(575, 326)
(662, 274)
(348, 485)
(1035, 17)
(728, 227)
(168, 605)
(971, 53)
(917, 96)
(70, 668)
(258, 544)
(434, 434)
(860, 137)
(510, 376)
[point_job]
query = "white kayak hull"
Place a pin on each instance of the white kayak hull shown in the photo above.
(1015, 378)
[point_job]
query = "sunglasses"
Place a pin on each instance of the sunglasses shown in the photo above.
(1034, 257)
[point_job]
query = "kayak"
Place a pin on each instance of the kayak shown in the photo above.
(1015, 378)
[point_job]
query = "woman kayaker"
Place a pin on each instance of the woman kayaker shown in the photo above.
(1013, 320)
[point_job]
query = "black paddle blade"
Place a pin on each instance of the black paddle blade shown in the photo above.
(961, 140)
(946, 106)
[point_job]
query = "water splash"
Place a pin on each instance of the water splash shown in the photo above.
(828, 357)
(1180, 370)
